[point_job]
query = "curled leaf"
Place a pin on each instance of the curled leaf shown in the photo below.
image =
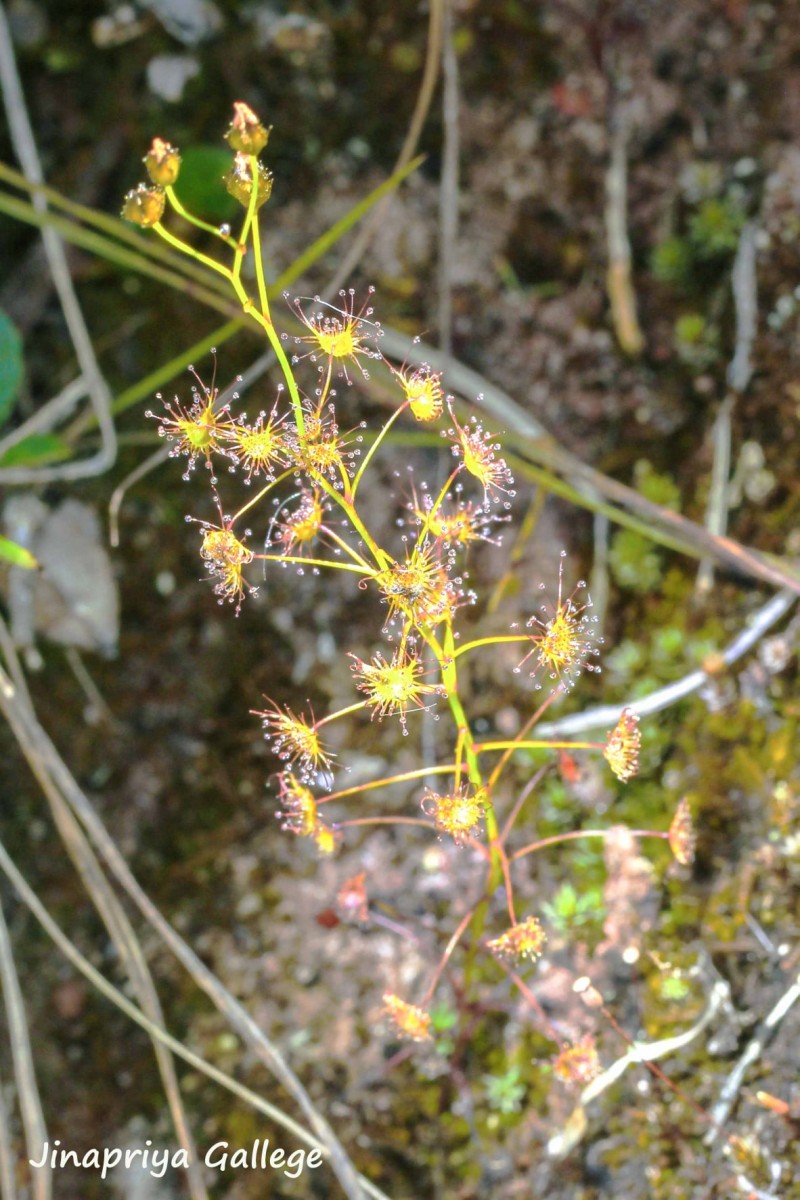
(17, 555)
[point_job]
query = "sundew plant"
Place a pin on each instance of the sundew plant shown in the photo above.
(304, 471)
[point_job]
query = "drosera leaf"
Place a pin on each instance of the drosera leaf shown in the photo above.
(11, 365)
(36, 451)
(17, 555)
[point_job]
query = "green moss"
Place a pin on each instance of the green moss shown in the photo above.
(689, 328)
(671, 261)
(656, 486)
(505, 1093)
(635, 563)
(715, 228)
(696, 341)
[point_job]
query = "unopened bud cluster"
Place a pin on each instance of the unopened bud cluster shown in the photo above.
(144, 205)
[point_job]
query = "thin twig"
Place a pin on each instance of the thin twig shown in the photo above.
(751, 1191)
(745, 299)
(607, 715)
(8, 1185)
(47, 416)
(740, 370)
(639, 1052)
(25, 148)
(536, 446)
(717, 508)
(39, 750)
(24, 1073)
(145, 468)
(97, 710)
(752, 1052)
(377, 217)
(122, 937)
(448, 188)
(81, 964)
(620, 285)
(599, 581)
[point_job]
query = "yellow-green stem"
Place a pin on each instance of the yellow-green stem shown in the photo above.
(258, 263)
(385, 821)
(348, 549)
(490, 641)
(381, 557)
(308, 562)
(444, 490)
(341, 712)
(192, 220)
(275, 342)
(389, 781)
(531, 722)
(233, 277)
(368, 456)
(446, 658)
(259, 496)
(250, 216)
(190, 251)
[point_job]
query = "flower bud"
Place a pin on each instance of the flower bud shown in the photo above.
(246, 135)
(144, 205)
(239, 182)
(163, 163)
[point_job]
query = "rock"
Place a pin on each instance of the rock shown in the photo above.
(73, 599)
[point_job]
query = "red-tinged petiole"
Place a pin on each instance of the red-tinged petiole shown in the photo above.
(448, 951)
(575, 835)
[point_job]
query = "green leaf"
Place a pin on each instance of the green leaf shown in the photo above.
(17, 555)
(199, 185)
(36, 451)
(11, 365)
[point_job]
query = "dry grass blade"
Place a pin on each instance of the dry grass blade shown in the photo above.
(29, 1101)
(8, 1185)
(448, 191)
(532, 444)
(25, 148)
(421, 109)
(124, 939)
(43, 756)
(73, 955)
(752, 1052)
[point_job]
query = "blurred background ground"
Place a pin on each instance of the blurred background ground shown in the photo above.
(711, 95)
